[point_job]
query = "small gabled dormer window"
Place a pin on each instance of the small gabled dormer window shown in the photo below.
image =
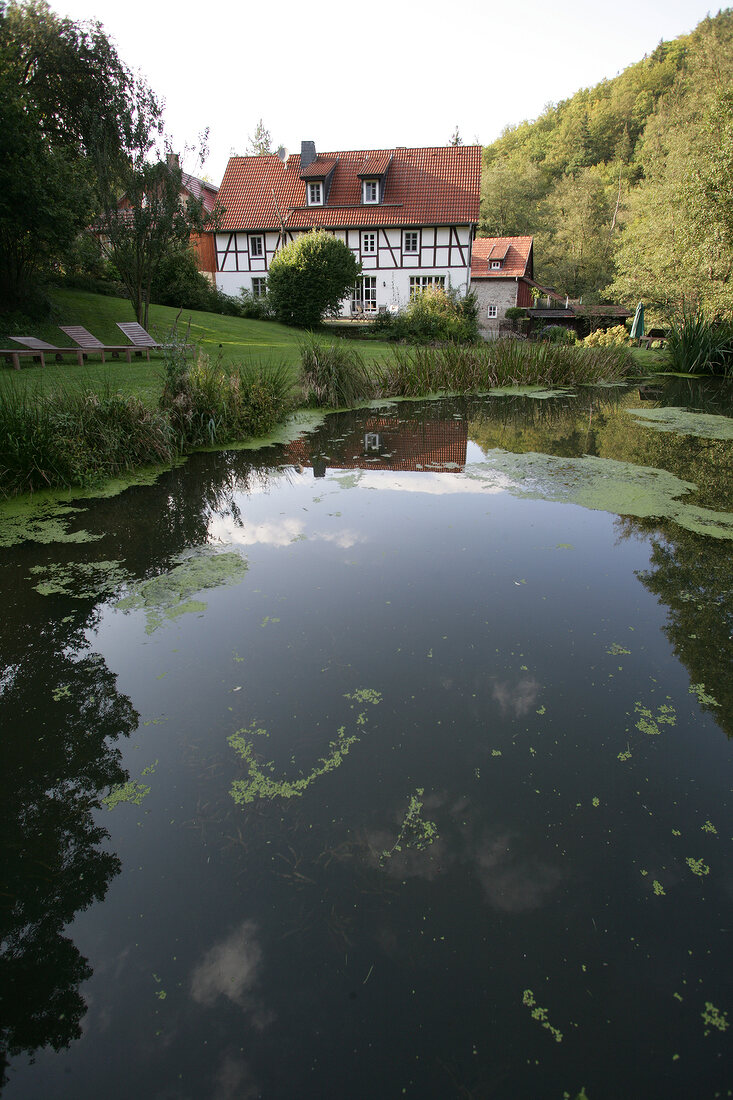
(315, 194)
(495, 265)
(370, 191)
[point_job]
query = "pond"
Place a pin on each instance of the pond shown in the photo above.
(392, 759)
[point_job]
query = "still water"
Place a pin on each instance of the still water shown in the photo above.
(393, 760)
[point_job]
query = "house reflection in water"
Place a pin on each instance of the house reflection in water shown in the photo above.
(386, 443)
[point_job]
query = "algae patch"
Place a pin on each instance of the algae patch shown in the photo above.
(684, 422)
(713, 1017)
(168, 596)
(81, 580)
(649, 723)
(601, 484)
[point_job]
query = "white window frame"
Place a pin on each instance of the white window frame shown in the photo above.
(259, 286)
(492, 311)
(369, 192)
(410, 238)
(418, 283)
(315, 192)
(364, 295)
(369, 243)
(257, 246)
(495, 265)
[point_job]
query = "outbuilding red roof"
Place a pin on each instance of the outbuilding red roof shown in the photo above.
(514, 253)
(433, 186)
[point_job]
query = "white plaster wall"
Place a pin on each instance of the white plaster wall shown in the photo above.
(393, 283)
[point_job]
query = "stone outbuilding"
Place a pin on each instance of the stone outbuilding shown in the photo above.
(501, 278)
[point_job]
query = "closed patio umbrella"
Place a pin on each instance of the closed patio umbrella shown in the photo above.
(637, 325)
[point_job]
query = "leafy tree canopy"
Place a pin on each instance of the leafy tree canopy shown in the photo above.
(310, 277)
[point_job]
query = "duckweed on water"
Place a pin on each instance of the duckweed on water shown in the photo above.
(705, 698)
(261, 782)
(650, 723)
(697, 866)
(540, 1014)
(414, 832)
(658, 888)
(132, 792)
(713, 1017)
(166, 597)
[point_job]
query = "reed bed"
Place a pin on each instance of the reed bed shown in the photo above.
(76, 437)
(452, 368)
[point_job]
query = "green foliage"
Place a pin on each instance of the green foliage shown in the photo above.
(255, 307)
(515, 313)
(310, 277)
(697, 345)
(178, 281)
(433, 315)
(557, 334)
(208, 402)
(333, 374)
(67, 105)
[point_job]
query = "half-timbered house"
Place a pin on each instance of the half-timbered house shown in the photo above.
(409, 216)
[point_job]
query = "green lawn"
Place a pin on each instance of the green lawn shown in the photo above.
(233, 339)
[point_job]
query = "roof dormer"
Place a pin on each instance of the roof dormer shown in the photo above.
(373, 175)
(316, 172)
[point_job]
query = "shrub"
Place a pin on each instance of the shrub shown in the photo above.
(557, 334)
(255, 308)
(604, 338)
(434, 315)
(310, 277)
(210, 403)
(515, 313)
(333, 374)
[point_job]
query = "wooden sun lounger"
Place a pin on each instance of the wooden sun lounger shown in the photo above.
(40, 347)
(142, 339)
(13, 355)
(88, 342)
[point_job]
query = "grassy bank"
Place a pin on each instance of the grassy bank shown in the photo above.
(226, 339)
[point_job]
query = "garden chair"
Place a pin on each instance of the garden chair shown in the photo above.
(40, 347)
(85, 340)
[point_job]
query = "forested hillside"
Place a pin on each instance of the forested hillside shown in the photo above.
(628, 186)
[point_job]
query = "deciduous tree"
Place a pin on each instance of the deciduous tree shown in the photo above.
(310, 277)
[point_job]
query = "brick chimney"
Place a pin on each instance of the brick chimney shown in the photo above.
(172, 161)
(307, 153)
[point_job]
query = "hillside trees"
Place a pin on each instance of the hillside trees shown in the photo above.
(676, 249)
(626, 186)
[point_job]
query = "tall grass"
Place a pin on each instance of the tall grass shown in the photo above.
(210, 402)
(75, 437)
(697, 345)
(413, 372)
(332, 374)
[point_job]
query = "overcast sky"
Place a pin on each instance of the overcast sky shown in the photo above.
(373, 74)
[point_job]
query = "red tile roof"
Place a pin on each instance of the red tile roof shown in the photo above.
(434, 186)
(515, 252)
(201, 189)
